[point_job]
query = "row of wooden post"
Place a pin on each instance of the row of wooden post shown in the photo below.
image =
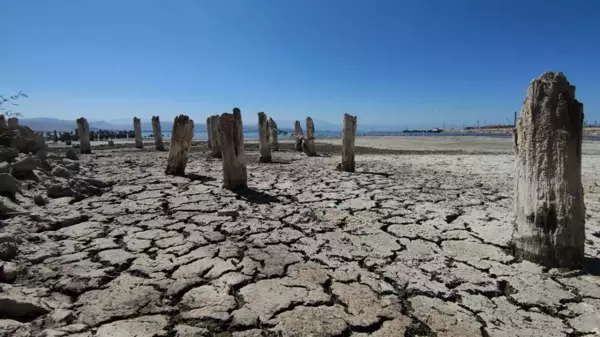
(548, 197)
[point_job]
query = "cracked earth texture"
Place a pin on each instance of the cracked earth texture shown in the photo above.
(413, 245)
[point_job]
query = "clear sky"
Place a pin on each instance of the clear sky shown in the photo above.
(386, 61)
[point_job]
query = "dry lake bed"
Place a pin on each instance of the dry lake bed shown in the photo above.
(417, 243)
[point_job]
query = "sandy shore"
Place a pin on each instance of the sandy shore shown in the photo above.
(414, 244)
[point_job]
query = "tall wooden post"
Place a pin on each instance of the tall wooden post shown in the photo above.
(263, 135)
(181, 141)
(157, 131)
(299, 135)
(2, 121)
(348, 137)
(137, 130)
(84, 136)
(215, 137)
(549, 206)
(231, 136)
(208, 132)
(310, 137)
(274, 135)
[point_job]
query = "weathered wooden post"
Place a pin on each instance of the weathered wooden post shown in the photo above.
(348, 136)
(310, 137)
(2, 121)
(215, 137)
(157, 131)
(299, 135)
(137, 130)
(13, 122)
(208, 132)
(264, 135)
(273, 135)
(549, 205)
(84, 136)
(181, 140)
(231, 136)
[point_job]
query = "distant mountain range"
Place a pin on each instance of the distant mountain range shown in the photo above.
(51, 124)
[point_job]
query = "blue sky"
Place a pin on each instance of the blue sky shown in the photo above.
(386, 61)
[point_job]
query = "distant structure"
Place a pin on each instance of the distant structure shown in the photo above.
(549, 205)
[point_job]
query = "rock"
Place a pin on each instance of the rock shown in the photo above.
(8, 184)
(17, 304)
(42, 154)
(8, 154)
(232, 147)
(71, 155)
(8, 206)
(190, 331)
(83, 187)
(228, 212)
(71, 164)
(8, 272)
(59, 191)
(5, 167)
(26, 141)
(8, 246)
(181, 140)
(60, 171)
(39, 200)
(25, 166)
(549, 205)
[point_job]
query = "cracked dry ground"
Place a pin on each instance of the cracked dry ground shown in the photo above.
(421, 250)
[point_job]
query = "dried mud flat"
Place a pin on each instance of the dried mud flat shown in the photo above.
(413, 245)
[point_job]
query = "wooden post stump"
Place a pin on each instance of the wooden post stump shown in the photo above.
(215, 137)
(310, 137)
(549, 206)
(157, 131)
(274, 135)
(137, 130)
(84, 136)
(208, 132)
(299, 135)
(348, 137)
(181, 141)
(264, 135)
(232, 145)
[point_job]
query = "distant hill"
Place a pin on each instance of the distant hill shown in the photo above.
(51, 124)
